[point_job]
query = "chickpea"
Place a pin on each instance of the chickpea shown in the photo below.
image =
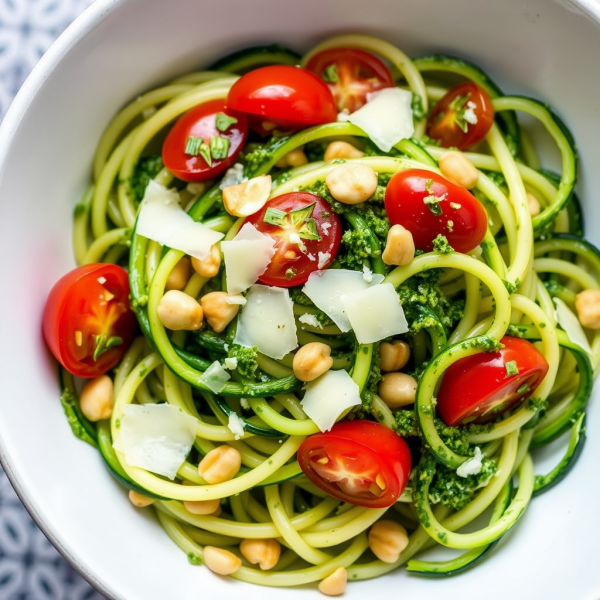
(264, 553)
(218, 311)
(351, 183)
(178, 311)
(139, 500)
(202, 507)
(457, 167)
(534, 205)
(311, 361)
(398, 389)
(221, 561)
(587, 304)
(209, 266)
(97, 398)
(393, 355)
(342, 150)
(400, 247)
(220, 464)
(180, 275)
(246, 198)
(387, 540)
(335, 584)
(295, 158)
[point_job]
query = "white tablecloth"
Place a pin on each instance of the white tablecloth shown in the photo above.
(30, 567)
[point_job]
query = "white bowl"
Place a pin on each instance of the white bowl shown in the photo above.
(119, 48)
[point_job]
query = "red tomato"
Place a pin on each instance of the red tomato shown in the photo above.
(87, 312)
(480, 387)
(319, 232)
(427, 205)
(351, 74)
(282, 97)
(359, 462)
(462, 117)
(200, 122)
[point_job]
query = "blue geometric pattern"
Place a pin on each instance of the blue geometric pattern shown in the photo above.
(30, 567)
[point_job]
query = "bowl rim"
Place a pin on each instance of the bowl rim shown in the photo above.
(88, 20)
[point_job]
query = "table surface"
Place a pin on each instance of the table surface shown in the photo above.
(30, 567)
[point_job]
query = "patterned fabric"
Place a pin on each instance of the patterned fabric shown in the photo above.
(30, 567)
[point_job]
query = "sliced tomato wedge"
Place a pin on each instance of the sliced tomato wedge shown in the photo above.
(307, 235)
(359, 462)
(283, 98)
(87, 323)
(351, 75)
(462, 118)
(478, 388)
(204, 142)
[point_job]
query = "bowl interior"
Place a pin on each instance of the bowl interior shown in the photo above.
(119, 49)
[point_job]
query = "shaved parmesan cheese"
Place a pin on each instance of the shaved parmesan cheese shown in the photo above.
(155, 437)
(326, 288)
(162, 219)
(244, 404)
(236, 425)
(469, 114)
(247, 257)
(367, 274)
(233, 176)
(472, 466)
(375, 313)
(325, 228)
(387, 118)
(570, 323)
(311, 320)
(323, 259)
(328, 396)
(267, 322)
(215, 377)
(236, 299)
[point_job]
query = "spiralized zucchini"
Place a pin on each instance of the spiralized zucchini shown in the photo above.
(507, 288)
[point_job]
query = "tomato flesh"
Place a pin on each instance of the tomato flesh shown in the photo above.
(478, 388)
(282, 97)
(351, 75)
(296, 257)
(200, 122)
(462, 118)
(428, 205)
(87, 313)
(359, 462)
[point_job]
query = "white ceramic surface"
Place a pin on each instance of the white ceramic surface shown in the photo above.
(544, 48)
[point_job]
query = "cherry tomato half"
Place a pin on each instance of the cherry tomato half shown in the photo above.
(282, 97)
(201, 122)
(359, 462)
(87, 322)
(427, 205)
(351, 74)
(462, 117)
(480, 387)
(307, 235)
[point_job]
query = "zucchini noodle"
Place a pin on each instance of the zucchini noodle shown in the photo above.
(462, 305)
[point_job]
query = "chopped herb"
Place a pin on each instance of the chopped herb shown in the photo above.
(450, 225)
(273, 216)
(455, 205)
(291, 273)
(223, 122)
(458, 105)
(441, 245)
(330, 74)
(219, 147)
(524, 388)
(302, 215)
(511, 368)
(205, 153)
(417, 108)
(309, 231)
(432, 201)
(192, 145)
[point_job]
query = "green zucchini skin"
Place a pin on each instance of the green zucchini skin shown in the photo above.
(449, 64)
(245, 60)
(466, 561)
(112, 463)
(576, 443)
(566, 242)
(80, 426)
(576, 217)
